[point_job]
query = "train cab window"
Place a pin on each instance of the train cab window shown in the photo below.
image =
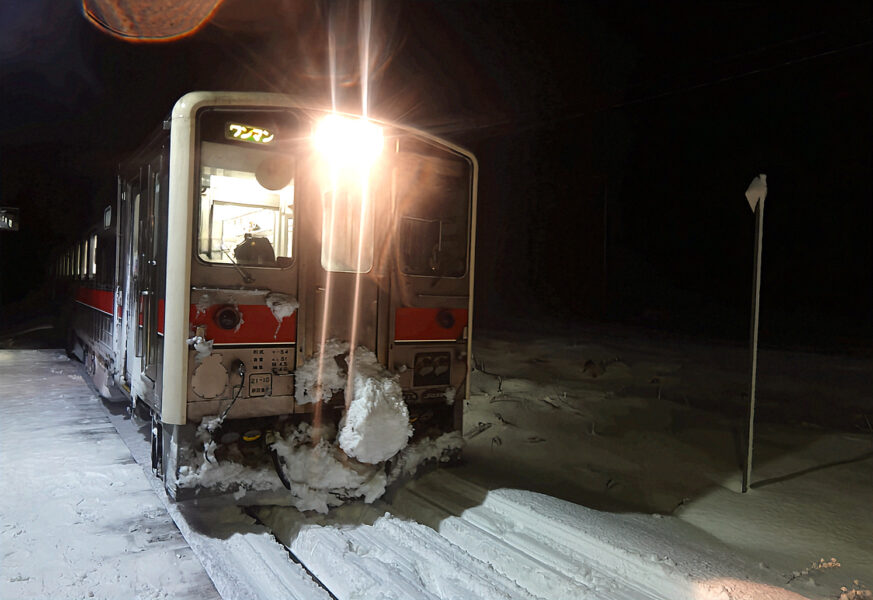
(432, 197)
(246, 212)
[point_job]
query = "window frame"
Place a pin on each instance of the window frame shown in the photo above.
(286, 262)
(399, 215)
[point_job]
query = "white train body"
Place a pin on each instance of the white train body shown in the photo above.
(245, 240)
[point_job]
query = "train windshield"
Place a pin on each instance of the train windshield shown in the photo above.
(246, 205)
(432, 192)
(246, 188)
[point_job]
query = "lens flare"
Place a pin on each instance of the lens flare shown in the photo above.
(350, 147)
(348, 142)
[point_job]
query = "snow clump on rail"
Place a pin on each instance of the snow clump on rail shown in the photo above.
(321, 376)
(322, 468)
(321, 476)
(376, 424)
(318, 475)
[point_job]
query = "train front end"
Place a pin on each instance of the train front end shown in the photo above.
(318, 296)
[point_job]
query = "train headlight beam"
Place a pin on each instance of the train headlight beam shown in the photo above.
(348, 142)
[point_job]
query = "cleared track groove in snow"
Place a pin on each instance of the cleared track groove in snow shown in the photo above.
(538, 554)
(395, 558)
(244, 560)
(562, 550)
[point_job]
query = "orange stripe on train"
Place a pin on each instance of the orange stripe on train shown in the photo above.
(257, 325)
(429, 324)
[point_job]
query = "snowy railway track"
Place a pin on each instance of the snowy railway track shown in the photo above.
(441, 537)
(538, 553)
(397, 558)
(444, 537)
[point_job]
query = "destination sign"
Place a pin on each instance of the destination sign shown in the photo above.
(248, 133)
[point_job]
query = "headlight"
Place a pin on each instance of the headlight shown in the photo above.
(348, 142)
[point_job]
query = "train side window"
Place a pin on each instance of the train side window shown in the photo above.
(105, 263)
(92, 257)
(83, 259)
(246, 212)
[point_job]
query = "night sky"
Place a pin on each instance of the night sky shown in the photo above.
(615, 141)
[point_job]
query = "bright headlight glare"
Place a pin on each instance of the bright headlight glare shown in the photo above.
(348, 142)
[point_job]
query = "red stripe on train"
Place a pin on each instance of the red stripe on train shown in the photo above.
(101, 300)
(429, 324)
(258, 326)
(160, 314)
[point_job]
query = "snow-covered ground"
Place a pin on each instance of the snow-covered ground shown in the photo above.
(78, 518)
(612, 469)
(600, 464)
(635, 426)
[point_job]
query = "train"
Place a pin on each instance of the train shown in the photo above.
(267, 264)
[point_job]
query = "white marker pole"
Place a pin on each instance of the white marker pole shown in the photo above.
(755, 194)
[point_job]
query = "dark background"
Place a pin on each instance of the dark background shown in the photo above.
(615, 141)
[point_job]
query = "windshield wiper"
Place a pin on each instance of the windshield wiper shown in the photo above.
(242, 273)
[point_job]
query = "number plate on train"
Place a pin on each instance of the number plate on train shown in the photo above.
(260, 384)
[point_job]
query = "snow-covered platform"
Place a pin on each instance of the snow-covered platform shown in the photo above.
(78, 517)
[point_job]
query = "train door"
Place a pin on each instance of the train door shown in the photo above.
(141, 283)
(340, 275)
(149, 291)
(130, 320)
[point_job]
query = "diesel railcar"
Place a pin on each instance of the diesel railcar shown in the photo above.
(258, 233)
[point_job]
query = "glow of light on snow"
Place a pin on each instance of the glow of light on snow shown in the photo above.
(728, 587)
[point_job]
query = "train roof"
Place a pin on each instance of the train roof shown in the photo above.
(187, 106)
